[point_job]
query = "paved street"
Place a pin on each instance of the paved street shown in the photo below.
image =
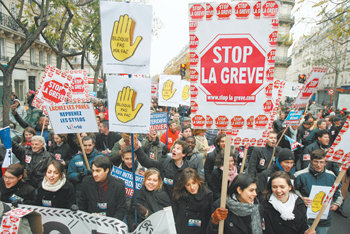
(341, 225)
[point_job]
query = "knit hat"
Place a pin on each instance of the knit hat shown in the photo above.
(285, 154)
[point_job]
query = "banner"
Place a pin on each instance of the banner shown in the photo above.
(159, 121)
(232, 57)
(54, 88)
(154, 89)
(80, 86)
(126, 30)
(292, 89)
(309, 87)
(129, 101)
(127, 177)
(293, 118)
(293, 143)
(185, 93)
(65, 221)
(169, 90)
(73, 118)
(6, 140)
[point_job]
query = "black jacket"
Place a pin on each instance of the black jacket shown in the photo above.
(106, 141)
(192, 214)
(274, 224)
(210, 162)
(168, 170)
(260, 159)
(302, 133)
(62, 152)
(62, 198)
(113, 203)
(22, 192)
(34, 163)
(278, 125)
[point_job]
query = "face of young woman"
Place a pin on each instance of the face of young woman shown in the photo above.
(192, 186)
(28, 136)
(10, 180)
(57, 139)
(248, 194)
(52, 174)
(280, 189)
(151, 183)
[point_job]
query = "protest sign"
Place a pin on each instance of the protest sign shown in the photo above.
(65, 221)
(232, 56)
(292, 89)
(73, 118)
(154, 89)
(318, 194)
(54, 88)
(293, 118)
(185, 99)
(159, 121)
(127, 177)
(80, 86)
(129, 102)
(169, 90)
(309, 88)
(12, 222)
(126, 31)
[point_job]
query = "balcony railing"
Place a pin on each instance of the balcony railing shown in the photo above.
(8, 21)
(284, 61)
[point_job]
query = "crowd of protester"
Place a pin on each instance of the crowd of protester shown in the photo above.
(182, 168)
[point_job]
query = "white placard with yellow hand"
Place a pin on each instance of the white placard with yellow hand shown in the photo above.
(185, 93)
(129, 101)
(169, 90)
(318, 194)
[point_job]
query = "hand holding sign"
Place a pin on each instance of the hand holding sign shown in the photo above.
(122, 38)
(185, 93)
(168, 91)
(124, 107)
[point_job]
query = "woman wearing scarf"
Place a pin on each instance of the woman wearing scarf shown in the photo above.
(55, 190)
(28, 133)
(192, 203)
(284, 211)
(61, 149)
(242, 214)
(216, 176)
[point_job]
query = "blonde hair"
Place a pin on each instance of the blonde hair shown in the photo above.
(150, 172)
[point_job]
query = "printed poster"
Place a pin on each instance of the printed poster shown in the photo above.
(232, 57)
(127, 177)
(293, 118)
(169, 90)
(129, 101)
(80, 86)
(318, 195)
(159, 121)
(185, 93)
(126, 30)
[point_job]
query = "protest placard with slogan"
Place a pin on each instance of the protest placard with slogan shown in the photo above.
(126, 30)
(293, 118)
(169, 90)
(72, 118)
(55, 87)
(129, 102)
(159, 121)
(80, 86)
(154, 89)
(185, 99)
(127, 177)
(232, 56)
(309, 87)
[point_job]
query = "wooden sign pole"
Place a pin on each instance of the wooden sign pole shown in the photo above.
(42, 129)
(82, 150)
(274, 148)
(243, 160)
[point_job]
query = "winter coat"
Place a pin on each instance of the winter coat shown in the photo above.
(195, 160)
(62, 198)
(278, 125)
(106, 141)
(274, 224)
(192, 213)
(214, 183)
(260, 159)
(210, 162)
(172, 137)
(153, 149)
(34, 163)
(21, 192)
(62, 152)
(302, 133)
(115, 154)
(113, 202)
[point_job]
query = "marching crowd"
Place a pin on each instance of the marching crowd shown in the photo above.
(182, 168)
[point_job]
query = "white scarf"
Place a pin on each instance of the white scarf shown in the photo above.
(53, 187)
(285, 209)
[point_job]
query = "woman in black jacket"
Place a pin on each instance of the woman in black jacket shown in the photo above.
(192, 203)
(55, 190)
(13, 188)
(284, 211)
(61, 149)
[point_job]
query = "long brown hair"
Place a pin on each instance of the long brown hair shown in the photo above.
(29, 130)
(153, 171)
(278, 174)
(187, 174)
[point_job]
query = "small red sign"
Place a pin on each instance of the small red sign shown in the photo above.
(194, 107)
(270, 73)
(224, 11)
(192, 26)
(194, 91)
(261, 121)
(273, 38)
(268, 90)
(310, 88)
(275, 23)
(271, 56)
(209, 11)
(197, 12)
(257, 9)
(193, 42)
(252, 141)
(270, 9)
(237, 141)
(55, 91)
(193, 59)
(250, 122)
(331, 92)
(209, 122)
(221, 121)
(242, 10)
(260, 142)
(245, 141)
(193, 75)
(198, 121)
(237, 122)
(268, 105)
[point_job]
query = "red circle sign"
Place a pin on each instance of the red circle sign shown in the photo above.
(268, 105)
(310, 88)
(331, 92)
(242, 10)
(54, 91)
(250, 122)
(193, 59)
(234, 63)
(237, 141)
(194, 91)
(270, 9)
(193, 75)
(261, 121)
(271, 56)
(198, 121)
(257, 9)
(194, 107)
(192, 26)
(237, 122)
(209, 11)
(197, 12)
(224, 10)
(209, 122)
(193, 42)
(273, 38)
(221, 121)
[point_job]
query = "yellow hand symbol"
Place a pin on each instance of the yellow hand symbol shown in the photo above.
(186, 92)
(168, 91)
(124, 107)
(316, 204)
(122, 38)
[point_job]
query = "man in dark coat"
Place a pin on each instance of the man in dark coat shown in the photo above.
(106, 139)
(278, 123)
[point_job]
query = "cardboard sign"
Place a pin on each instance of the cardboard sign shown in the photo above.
(126, 31)
(185, 93)
(318, 195)
(11, 222)
(169, 90)
(129, 102)
(232, 63)
(159, 121)
(309, 88)
(73, 118)
(127, 177)
(55, 88)
(293, 118)
(80, 86)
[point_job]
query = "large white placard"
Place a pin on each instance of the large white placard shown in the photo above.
(126, 30)
(318, 194)
(169, 90)
(185, 93)
(80, 86)
(72, 118)
(292, 89)
(129, 101)
(232, 57)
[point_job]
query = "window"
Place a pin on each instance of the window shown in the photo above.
(31, 82)
(32, 56)
(41, 58)
(19, 89)
(48, 59)
(17, 46)
(2, 48)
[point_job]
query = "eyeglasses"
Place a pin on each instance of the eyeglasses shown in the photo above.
(9, 178)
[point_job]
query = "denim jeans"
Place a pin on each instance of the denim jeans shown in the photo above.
(322, 230)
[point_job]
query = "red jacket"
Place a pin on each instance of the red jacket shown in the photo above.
(104, 110)
(172, 137)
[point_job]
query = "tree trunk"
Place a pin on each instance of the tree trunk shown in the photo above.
(97, 70)
(6, 98)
